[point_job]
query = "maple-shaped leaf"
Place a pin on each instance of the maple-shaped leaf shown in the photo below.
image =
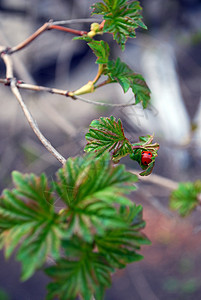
(120, 72)
(28, 219)
(120, 245)
(80, 273)
(186, 198)
(101, 50)
(92, 189)
(107, 135)
(121, 17)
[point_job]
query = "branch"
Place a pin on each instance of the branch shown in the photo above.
(89, 20)
(29, 39)
(65, 93)
(33, 124)
(103, 103)
(47, 26)
(73, 31)
(156, 179)
(10, 79)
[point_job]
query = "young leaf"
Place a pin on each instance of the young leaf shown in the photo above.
(91, 189)
(121, 17)
(27, 213)
(107, 134)
(120, 245)
(83, 38)
(145, 144)
(186, 198)
(118, 71)
(101, 50)
(85, 274)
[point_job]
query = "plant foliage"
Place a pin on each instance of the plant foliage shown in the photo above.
(145, 144)
(107, 135)
(96, 231)
(101, 50)
(83, 219)
(27, 214)
(186, 198)
(82, 272)
(118, 71)
(89, 189)
(121, 17)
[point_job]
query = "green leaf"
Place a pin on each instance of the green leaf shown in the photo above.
(118, 71)
(107, 135)
(101, 50)
(145, 144)
(121, 17)
(85, 274)
(27, 218)
(83, 38)
(99, 8)
(91, 188)
(120, 246)
(186, 198)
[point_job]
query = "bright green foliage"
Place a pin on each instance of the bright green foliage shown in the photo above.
(120, 245)
(96, 231)
(186, 198)
(90, 188)
(82, 272)
(121, 17)
(28, 211)
(118, 71)
(86, 272)
(145, 144)
(101, 50)
(107, 134)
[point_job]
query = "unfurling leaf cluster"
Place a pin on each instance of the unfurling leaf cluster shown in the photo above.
(107, 135)
(121, 17)
(96, 231)
(118, 71)
(186, 198)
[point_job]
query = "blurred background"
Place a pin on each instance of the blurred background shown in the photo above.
(168, 55)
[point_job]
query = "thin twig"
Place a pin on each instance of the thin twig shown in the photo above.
(33, 124)
(156, 203)
(69, 30)
(29, 39)
(12, 81)
(38, 88)
(9, 67)
(47, 26)
(156, 179)
(103, 103)
(89, 20)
